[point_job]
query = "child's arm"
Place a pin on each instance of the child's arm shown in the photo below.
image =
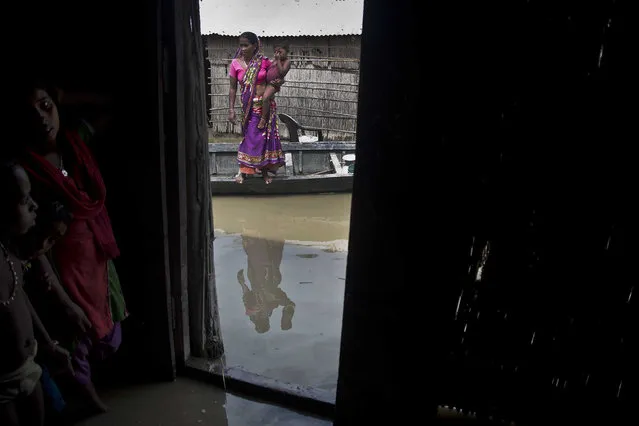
(287, 66)
(283, 66)
(38, 328)
(48, 345)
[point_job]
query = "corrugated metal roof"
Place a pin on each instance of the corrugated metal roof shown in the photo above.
(284, 18)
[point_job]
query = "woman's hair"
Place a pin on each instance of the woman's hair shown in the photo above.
(30, 81)
(251, 37)
(19, 119)
(23, 89)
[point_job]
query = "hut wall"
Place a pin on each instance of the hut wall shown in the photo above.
(321, 89)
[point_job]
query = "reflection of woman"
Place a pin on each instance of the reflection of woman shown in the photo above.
(62, 169)
(264, 296)
(261, 149)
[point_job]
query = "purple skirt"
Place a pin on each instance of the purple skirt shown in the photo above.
(89, 349)
(260, 148)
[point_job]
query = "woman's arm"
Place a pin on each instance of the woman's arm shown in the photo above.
(232, 97)
(73, 311)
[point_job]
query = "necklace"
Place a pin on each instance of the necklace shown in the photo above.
(62, 170)
(15, 277)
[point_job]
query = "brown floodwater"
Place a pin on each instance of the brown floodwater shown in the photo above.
(309, 218)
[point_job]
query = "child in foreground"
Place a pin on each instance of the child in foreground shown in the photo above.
(22, 334)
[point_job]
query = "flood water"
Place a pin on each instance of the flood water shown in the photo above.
(280, 265)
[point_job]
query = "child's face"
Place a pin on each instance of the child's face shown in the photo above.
(58, 230)
(23, 207)
(280, 52)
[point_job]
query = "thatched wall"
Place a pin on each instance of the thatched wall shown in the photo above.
(321, 89)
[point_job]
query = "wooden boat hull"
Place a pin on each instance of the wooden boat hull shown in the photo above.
(310, 168)
(282, 185)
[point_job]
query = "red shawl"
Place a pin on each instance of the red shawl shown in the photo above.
(87, 204)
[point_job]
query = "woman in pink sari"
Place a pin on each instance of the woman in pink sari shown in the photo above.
(261, 149)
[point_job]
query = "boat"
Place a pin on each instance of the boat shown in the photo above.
(311, 167)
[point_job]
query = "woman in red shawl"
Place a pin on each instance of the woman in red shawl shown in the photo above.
(63, 170)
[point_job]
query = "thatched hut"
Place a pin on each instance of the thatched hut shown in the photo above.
(322, 86)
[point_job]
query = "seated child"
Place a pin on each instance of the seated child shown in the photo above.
(53, 220)
(21, 397)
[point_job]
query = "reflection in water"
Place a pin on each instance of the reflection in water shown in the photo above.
(264, 295)
(284, 259)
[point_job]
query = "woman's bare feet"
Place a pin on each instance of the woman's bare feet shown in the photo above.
(261, 124)
(266, 177)
(239, 178)
(95, 403)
